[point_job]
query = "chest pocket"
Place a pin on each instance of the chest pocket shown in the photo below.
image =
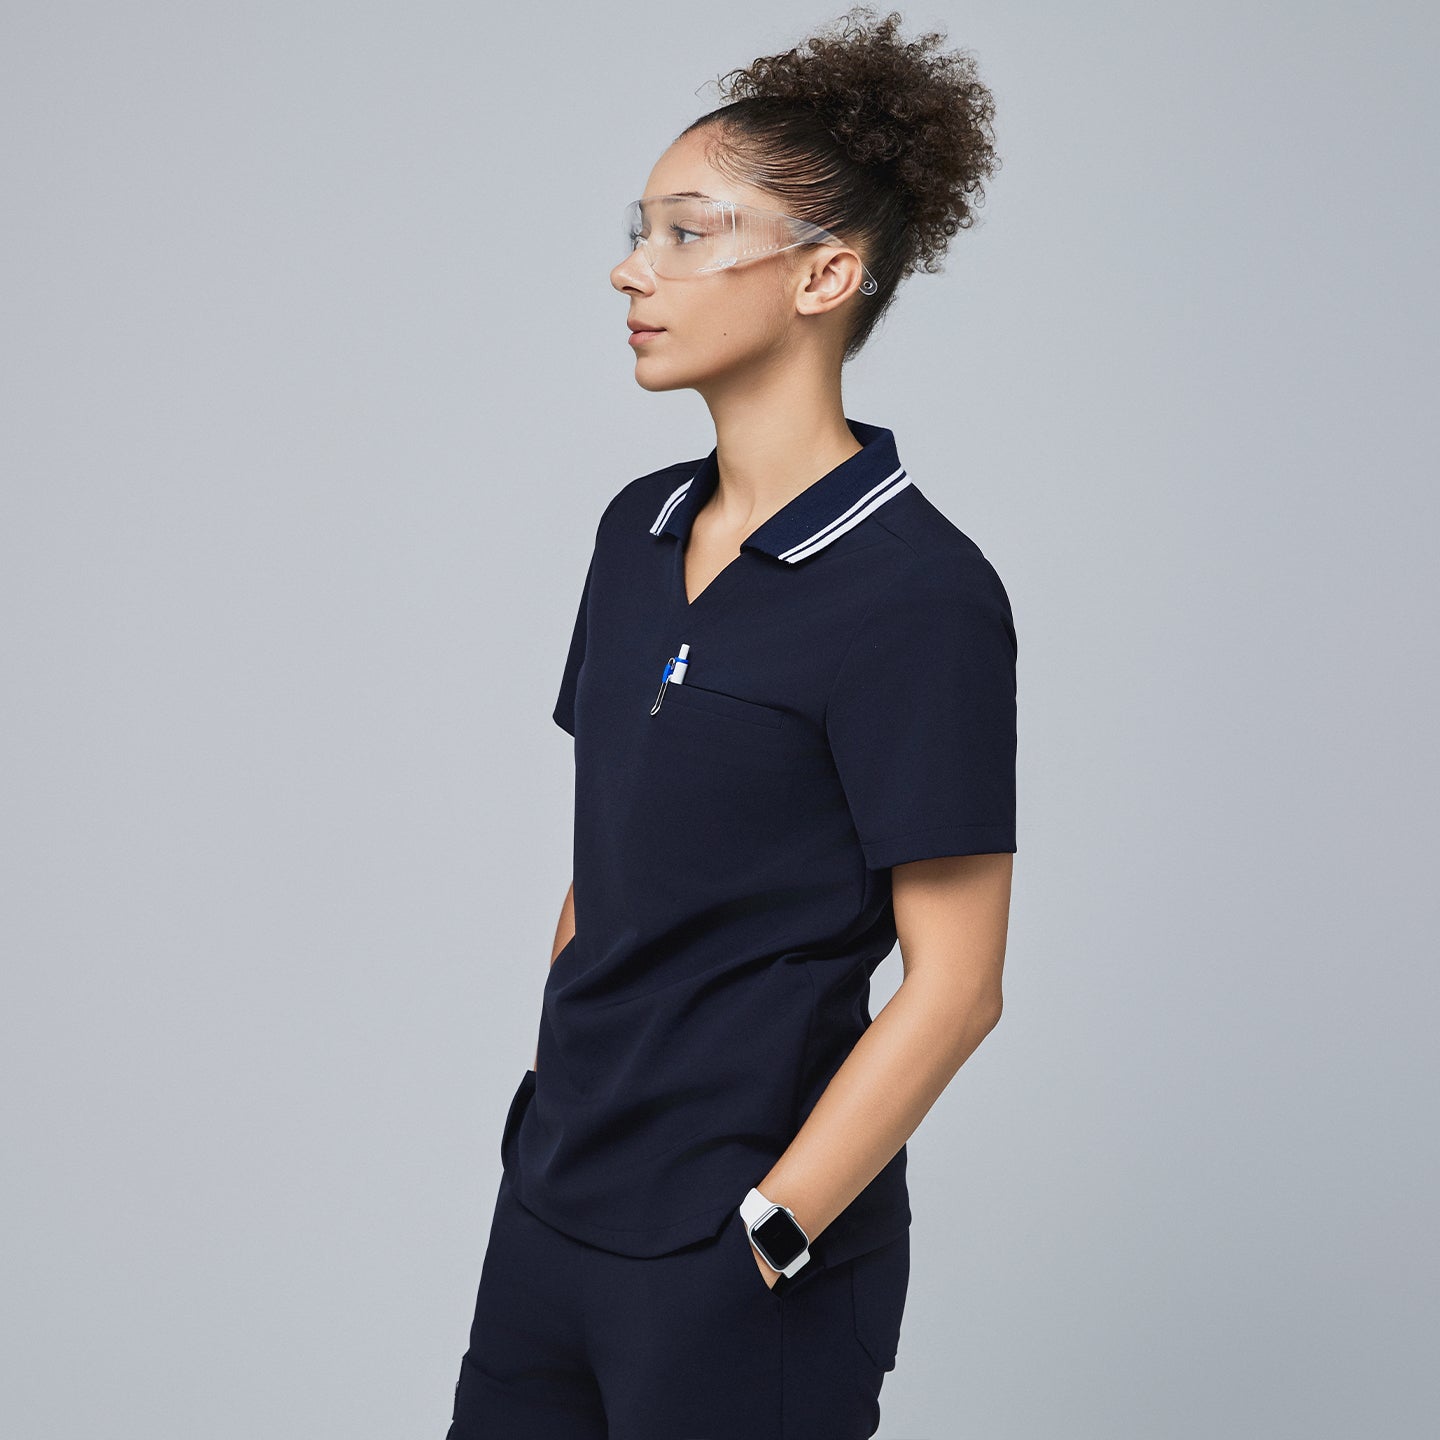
(724, 743)
(716, 702)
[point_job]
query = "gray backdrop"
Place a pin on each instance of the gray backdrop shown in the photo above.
(314, 388)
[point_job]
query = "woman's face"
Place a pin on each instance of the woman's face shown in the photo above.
(719, 323)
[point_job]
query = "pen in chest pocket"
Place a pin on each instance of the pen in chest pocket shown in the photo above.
(674, 675)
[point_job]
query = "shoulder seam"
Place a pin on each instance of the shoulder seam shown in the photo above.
(889, 529)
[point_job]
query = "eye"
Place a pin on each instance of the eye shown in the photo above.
(678, 230)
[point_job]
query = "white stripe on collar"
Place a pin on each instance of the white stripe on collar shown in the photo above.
(668, 506)
(887, 489)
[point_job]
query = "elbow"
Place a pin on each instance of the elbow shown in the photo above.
(994, 1011)
(970, 1011)
(983, 1005)
(985, 1010)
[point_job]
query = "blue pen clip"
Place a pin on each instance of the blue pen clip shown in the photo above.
(674, 673)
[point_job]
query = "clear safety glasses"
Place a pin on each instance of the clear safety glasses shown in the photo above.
(683, 236)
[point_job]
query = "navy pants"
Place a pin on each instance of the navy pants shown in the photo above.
(570, 1342)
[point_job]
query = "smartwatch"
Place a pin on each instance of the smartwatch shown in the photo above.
(776, 1235)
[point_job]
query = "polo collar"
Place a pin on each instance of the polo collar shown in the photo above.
(836, 502)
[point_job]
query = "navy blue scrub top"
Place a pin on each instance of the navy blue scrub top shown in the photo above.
(849, 705)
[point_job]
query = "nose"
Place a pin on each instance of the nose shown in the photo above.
(633, 273)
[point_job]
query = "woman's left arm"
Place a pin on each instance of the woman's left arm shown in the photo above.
(952, 915)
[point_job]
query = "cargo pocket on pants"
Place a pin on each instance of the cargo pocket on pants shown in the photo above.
(518, 1103)
(879, 1281)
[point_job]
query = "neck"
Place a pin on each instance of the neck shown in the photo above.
(770, 447)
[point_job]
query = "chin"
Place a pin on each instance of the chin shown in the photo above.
(657, 373)
(658, 377)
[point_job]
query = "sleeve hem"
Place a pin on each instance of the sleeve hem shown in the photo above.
(563, 721)
(930, 844)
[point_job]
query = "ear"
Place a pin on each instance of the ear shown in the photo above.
(827, 277)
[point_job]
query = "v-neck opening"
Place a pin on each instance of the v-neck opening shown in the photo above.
(710, 584)
(721, 580)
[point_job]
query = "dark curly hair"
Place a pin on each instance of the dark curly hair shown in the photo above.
(872, 137)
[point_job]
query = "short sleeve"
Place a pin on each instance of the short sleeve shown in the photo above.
(564, 712)
(921, 718)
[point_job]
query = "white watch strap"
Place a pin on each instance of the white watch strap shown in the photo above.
(753, 1206)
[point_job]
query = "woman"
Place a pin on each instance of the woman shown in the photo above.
(791, 686)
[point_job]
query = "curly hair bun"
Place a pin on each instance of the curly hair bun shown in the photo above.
(905, 106)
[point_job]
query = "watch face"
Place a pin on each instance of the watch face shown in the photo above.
(780, 1239)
